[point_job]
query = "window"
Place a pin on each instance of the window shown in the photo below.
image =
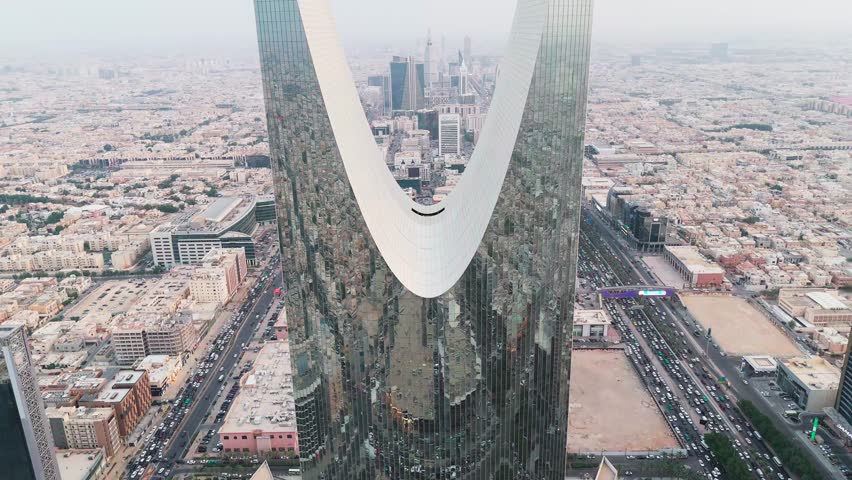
(226, 437)
(245, 437)
(289, 435)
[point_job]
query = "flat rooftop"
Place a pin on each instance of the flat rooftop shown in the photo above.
(761, 363)
(694, 261)
(827, 301)
(591, 317)
(265, 401)
(815, 372)
(78, 464)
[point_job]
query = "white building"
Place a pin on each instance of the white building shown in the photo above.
(449, 134)
(811, 381)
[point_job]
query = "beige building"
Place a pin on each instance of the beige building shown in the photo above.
(817, 306)
(219, 276)
(84, 428)
(162, 371)
(591, 323)
(811, 381)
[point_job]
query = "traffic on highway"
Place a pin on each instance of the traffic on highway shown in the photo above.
(166, 444)
(688, 394)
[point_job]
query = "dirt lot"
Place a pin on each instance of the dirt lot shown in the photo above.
(610, 409)
(737, 327)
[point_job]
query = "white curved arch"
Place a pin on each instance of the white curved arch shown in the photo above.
(428, 254)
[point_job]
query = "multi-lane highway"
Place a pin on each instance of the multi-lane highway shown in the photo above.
(679, 330)
(679, 374)
(168, 442)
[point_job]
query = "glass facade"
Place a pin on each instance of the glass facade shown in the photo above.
(471, 384)
(844, 394)
(26, 450)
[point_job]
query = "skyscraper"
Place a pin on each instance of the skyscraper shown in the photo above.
(449, 134)
(429, 341)
(26, 447)
(843, 404)
(407, 84)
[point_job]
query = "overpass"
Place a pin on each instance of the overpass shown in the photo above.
(632, 291)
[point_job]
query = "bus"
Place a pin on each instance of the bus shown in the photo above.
(791, 413)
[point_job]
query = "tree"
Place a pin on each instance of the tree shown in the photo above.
(167, 208)
(108, 148)
(54, 217)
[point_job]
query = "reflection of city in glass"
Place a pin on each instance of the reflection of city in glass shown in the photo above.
(26, 451)
(473, 383)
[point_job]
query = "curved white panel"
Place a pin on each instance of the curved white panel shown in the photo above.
(428, 254)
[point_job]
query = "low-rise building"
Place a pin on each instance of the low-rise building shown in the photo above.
(81, 464)
(591, 323)
(812, 382)
(696, 271)
(263, 416)
(816, 306)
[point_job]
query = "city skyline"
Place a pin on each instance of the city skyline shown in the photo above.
(194, 27)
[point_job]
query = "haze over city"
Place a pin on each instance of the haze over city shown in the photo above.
(615, 242)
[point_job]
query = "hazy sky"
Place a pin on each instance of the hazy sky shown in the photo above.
(30, 27)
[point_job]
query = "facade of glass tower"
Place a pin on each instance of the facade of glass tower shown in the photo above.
(26, 449)
(402, 370)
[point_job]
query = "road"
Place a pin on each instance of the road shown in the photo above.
(229, 357)
(714, 360)
(168, 442)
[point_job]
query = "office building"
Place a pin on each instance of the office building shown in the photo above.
(449, 134)
(228, 222)
(26, 447)
(426, 339)
(812, 382)
(407, 84)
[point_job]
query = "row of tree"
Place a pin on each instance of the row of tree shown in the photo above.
(733, 466)
(792, 456)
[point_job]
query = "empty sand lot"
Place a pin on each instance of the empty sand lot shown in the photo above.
(737, 327)
(610, 409)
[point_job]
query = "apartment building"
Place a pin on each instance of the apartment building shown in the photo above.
(84, 428)
(129, 395)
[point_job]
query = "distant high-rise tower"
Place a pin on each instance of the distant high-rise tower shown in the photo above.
(407, 84)
(449, 134)
(26, 446)
(430, 62)
(467, 51)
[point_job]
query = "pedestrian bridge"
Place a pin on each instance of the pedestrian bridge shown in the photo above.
(631, 291)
